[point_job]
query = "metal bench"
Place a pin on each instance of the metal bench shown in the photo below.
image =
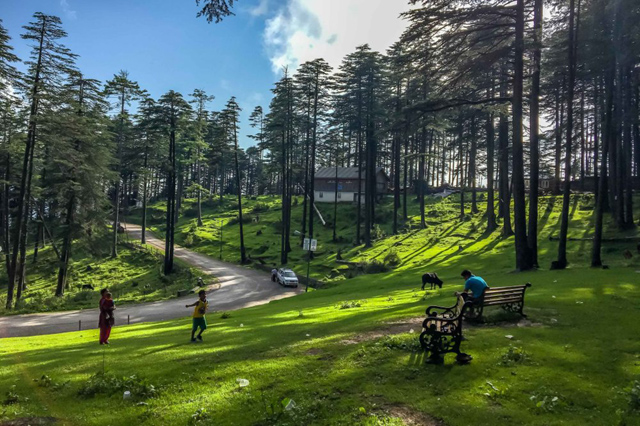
(511, 299)
(442, 331)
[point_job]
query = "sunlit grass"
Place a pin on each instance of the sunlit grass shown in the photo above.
(580, 340)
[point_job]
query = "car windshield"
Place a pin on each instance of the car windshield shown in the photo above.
(289, 274)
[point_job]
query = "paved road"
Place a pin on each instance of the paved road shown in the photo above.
(240, 288)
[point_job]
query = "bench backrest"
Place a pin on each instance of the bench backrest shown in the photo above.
(502, 295)
(459, 304)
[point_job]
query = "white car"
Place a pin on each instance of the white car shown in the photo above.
(287, 278)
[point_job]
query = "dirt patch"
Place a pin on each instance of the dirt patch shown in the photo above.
(314, 351)
(395, 327)
(31, 421)
(411, 417)
(522, 323)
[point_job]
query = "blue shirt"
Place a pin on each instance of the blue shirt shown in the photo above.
(476, 285)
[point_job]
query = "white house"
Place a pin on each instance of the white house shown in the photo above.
(347, 184)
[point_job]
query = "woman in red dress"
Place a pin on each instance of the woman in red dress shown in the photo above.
(106, 321)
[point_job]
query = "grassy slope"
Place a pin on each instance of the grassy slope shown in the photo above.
(582, 351)
(445, 239)
(135, 276)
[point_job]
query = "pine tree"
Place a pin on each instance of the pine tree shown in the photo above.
(231, 116)
(124, 91)
(200, 100)
(81, 156)
(50, 62)
(174, 114)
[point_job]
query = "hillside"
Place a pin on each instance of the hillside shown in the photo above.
(446, 239)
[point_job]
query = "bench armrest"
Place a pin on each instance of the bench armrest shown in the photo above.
(433, 310)
(447, 326)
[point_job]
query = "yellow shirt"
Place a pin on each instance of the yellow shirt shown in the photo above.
(201, 305)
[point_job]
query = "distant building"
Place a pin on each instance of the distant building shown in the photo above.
(325, 184)
(545, 184)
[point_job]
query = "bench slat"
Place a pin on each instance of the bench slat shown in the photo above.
(509, 287)
(502, 302)
(499, 293)
(501, 296)
(505, 290)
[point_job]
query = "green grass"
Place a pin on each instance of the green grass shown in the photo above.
(135, 276)
(575, 363)
(445, 239)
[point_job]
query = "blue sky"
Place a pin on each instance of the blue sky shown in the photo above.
(165, 47)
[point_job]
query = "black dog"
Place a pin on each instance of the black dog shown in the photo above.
(431, 278)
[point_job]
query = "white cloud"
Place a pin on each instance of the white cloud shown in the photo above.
(71, 14)
(260, 9)
(303, 30)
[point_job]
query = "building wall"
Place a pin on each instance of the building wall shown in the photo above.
(350, 185)
(329, 196)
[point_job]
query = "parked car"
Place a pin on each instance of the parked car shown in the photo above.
(287, 278)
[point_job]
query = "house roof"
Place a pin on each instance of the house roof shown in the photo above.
(343, 173)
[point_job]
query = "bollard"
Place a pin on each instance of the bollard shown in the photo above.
(80, 325)
(128, 320)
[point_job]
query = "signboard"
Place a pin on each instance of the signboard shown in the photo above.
(310, 245)
(339, 187)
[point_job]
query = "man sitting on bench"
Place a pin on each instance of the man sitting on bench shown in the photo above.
(476, 284)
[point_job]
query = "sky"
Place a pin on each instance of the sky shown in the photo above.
(165, 47)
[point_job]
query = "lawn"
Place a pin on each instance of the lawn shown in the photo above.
(346, 354)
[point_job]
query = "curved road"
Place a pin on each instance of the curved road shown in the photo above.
(240, 287)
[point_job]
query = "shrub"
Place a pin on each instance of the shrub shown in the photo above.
(392, 259)
(378, 232)
(350, 304)
(634, 396)
(225, 315)
(191, 212)
(12, 396)
(374, 267)
(108, 384)
(514, 355)
(260, 207)
(84, 296)
(201, 415)
(405, 342)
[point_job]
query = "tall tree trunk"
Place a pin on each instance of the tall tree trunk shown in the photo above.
(523, 260)
(171, 202)
(314, 141)
(503, 138)
(561, 263)
(492, 225)
(23, 199)
(199, 182)
(628, 154)
(472, 166)
(145, 185)
(66, 247)
(534, 139)
(421, 176)
(243, 253)
(596, 248)
(461, 182)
